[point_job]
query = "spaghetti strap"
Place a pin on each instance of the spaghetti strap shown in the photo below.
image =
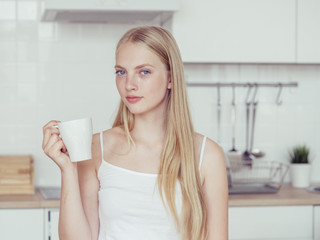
(101, 143)
(202, 151)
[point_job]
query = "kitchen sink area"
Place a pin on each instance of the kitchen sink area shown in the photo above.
(314, 189)
(50, 193)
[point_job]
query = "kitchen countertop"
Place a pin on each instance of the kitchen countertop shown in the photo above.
(27, 201)
(286, 196)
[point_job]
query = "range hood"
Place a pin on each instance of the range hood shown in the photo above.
(112, 11)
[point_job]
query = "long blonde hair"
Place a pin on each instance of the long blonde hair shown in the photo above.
(178, 160)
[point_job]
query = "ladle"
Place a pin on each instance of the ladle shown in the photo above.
(247, 156)
(255, 152)
(233, 119)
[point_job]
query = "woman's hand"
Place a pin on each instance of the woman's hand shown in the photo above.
(54, 147)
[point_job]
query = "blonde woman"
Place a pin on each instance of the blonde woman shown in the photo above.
(151, 176)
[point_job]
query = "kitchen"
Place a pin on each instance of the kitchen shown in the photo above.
(51, 70)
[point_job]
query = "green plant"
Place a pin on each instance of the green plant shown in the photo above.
(299, 154)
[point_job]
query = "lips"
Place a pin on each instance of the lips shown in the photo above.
(133, 99)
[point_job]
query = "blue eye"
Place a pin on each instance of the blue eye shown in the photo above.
(145, 72)
(120, 72)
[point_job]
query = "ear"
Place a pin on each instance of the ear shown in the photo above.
(169, 81)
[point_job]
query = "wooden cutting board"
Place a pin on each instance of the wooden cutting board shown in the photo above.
(16, 174)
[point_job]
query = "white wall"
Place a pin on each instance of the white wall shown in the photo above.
(65, 71)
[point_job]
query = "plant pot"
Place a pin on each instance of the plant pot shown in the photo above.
(300, 174)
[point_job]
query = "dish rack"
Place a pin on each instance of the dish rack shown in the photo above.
(256, 173)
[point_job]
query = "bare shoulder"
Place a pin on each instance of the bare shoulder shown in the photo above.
(114, 135)
(213, 161)
(110, 136)
(211, 148)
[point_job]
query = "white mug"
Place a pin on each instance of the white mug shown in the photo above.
(77, 137)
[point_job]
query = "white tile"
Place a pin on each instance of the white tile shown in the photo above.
(47, 31)
(68, 32)
(27, 10)
(27, 114)
(198, 73)
(47, 94)
(27, 31)
(9, 114)
(49, 52)
(8, 94)
(299, 114)
(64, 52)
(7, 30)
(8, 74)
(8, 52)
(266, 114)
(7, 10)
(27, 94)
(27, 52)
(264, 135)
(49, 112)
(81, 73)
(26, 137)
(46, 171)
(27, 73)
(93, 32)
(248, 73)
(8, 136)
(48, 73)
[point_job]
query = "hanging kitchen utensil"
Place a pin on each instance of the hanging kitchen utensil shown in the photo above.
(255, 152)
(278, 100)
(233, 120)
(218, 114)
(247, 156)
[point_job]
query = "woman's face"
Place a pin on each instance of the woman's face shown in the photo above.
(142, 79)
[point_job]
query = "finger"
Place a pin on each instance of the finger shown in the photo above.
(55, 150)
(48, 131)
(51, 124)
(51, 141)
(64, 148)
(47, 135)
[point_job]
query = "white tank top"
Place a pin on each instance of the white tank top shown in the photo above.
(130, 206)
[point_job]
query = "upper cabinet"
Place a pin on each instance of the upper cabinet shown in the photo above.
(308, 31)
(247, 31)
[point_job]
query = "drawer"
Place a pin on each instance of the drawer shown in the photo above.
(271, 222)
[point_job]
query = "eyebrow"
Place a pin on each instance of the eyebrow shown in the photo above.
(137, 67)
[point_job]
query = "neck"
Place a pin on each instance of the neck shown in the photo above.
(149, 129)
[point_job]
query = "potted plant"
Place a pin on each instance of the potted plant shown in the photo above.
(300, 166)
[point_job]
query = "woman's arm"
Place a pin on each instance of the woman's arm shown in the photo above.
(73, 222)
(89, 186)
(215, 188)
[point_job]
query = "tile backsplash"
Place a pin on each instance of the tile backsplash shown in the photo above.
(65, 71)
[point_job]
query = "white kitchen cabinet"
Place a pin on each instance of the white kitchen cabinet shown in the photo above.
(316, 225)
(308, 31)
(271, 222)
(51, 224)
(236, 30)
(26, 224)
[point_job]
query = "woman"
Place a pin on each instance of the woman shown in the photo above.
(151, 176)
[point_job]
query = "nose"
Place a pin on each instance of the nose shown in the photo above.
(131, 82)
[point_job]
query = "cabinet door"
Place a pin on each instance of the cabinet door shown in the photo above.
(26, 224)
(51, 224)
(316, 224)
(236, 30)
(280, 222)
(308, 40)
